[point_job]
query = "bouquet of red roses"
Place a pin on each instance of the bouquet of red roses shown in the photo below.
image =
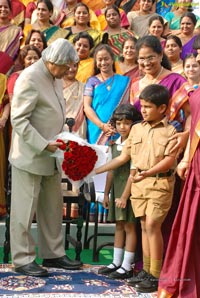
(79, 160)
(78, 157)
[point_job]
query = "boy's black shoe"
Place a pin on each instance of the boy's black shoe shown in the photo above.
(117, 275)
(149, 285)
(106, 270)
(141, 276)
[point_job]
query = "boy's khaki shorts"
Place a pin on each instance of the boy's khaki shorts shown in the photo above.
(152, 197)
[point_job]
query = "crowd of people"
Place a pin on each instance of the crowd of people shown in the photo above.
(128, 72)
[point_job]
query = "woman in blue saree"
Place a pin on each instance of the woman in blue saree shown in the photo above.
(103, 93)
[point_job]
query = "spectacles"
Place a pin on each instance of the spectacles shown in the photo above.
(147, 59)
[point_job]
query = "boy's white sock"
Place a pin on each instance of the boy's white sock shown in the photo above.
(117, 257)
(127, 262)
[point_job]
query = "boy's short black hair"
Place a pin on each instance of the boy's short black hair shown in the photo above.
(126, 112)
(156, 94)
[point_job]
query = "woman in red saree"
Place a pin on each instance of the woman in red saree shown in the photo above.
(181, 269)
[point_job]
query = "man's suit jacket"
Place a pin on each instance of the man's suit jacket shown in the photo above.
(37, 115)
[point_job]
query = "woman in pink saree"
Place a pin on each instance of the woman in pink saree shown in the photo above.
(181, 269)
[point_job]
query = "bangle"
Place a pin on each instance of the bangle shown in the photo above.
(185, 161)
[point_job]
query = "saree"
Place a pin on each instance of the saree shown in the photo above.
(95, 34)
(18, 12)
(31, 6)
(6, 62)
(179, 90)
(187, 48)
(133, 73)
(73, 95)
(173, 21)
(11, 84)
(10, 40)
(3, 102)
(26, 2)
(85, 69)
(115, 41)
(181, 270)
(104, 103)
(103, 23)
(65, 20)
(163, 7)
(51, 34)
(139, 23)
(94, 5)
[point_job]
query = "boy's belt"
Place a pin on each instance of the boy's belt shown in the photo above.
(169, 173)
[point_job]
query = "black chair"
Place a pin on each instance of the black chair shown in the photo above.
(72, 197)
(95, 248)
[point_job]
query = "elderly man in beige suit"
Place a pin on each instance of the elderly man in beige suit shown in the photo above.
(37, 116)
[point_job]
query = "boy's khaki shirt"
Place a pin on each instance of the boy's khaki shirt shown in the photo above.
(147, 145)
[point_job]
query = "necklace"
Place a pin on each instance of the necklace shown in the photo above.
(108, 86)
(155, 79)
(146, 81)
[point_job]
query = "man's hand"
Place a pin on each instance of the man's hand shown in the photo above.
(53, 146)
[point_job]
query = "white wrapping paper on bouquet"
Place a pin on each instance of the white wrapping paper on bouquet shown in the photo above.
(101, 152)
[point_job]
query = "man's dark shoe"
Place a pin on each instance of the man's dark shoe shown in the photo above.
(148, 285)
(117, 275)
(32, 269)
(142, 275)
(106, 270)
(62, 262)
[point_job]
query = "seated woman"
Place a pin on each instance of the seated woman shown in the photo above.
(103, 93)
(157, 27)
(173, 48)
(73, 94)
(128, 60)
(116, 34)
(43, 23)
(101, 15)
(9, 34)
(187, 34)
(83, 44)
(192, 70)
(82, 23)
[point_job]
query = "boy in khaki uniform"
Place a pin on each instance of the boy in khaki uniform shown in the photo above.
(151, 181)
